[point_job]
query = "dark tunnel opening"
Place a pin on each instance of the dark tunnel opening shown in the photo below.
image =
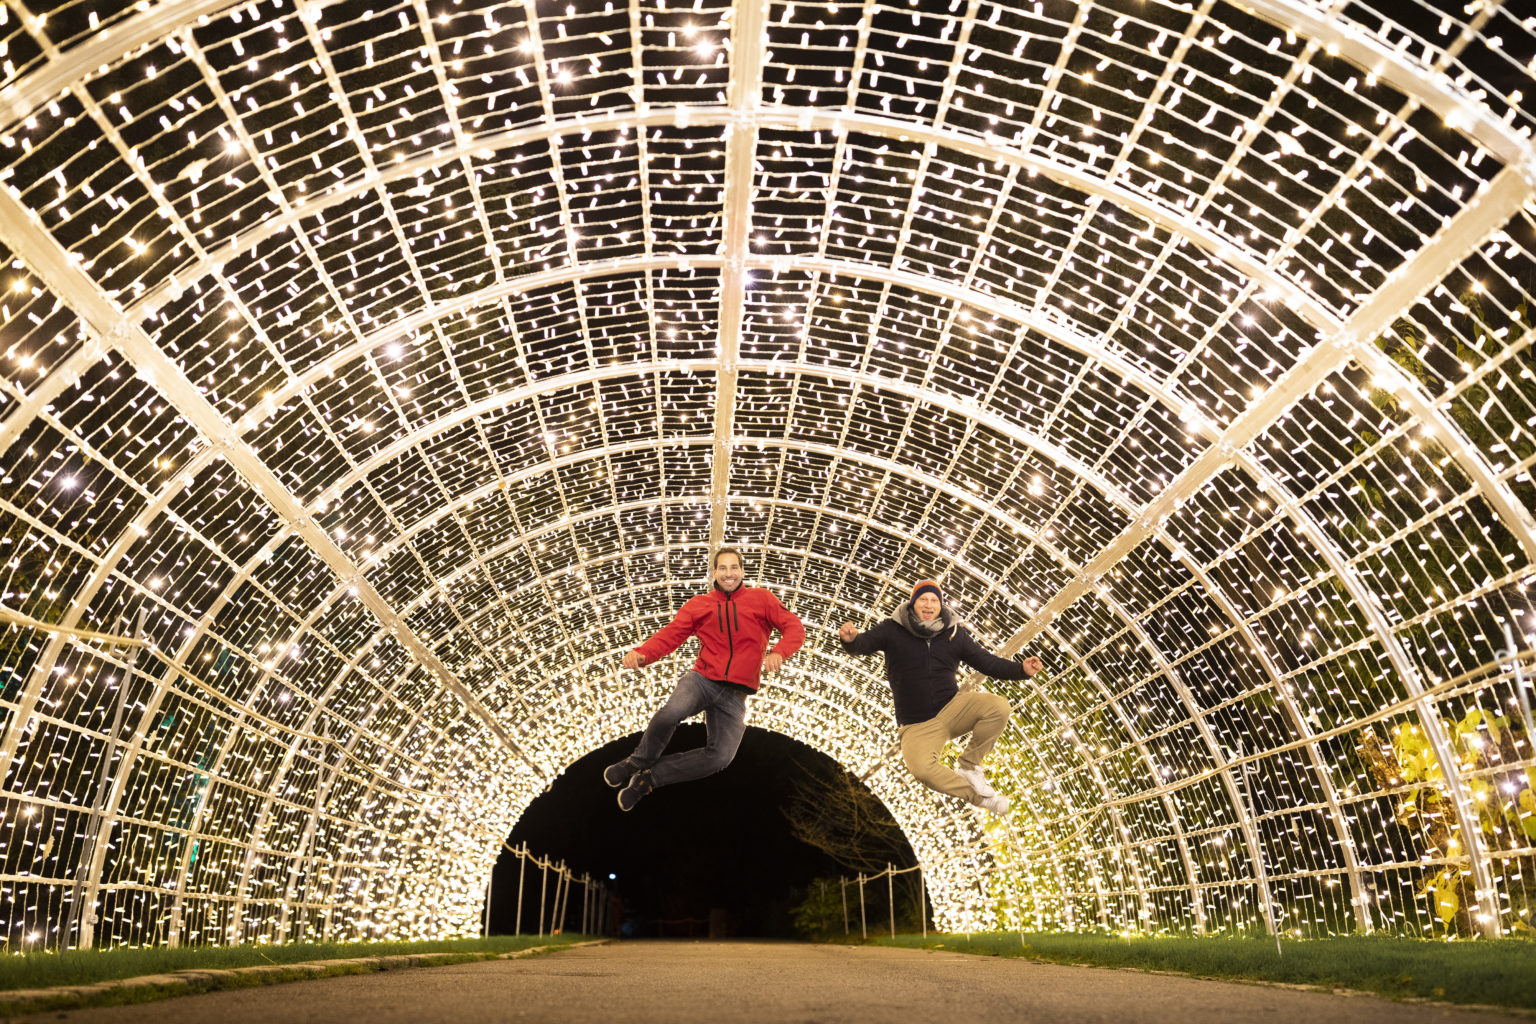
(715, 856)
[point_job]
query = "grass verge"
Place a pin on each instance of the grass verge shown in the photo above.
(1499, 973)
(41, 982)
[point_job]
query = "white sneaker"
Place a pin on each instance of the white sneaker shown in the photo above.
(996, 803)
(978, 781)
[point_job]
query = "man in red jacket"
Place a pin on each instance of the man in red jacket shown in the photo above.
(733, 623)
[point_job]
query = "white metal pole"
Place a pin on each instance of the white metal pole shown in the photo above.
(543, 891)
(522, 862)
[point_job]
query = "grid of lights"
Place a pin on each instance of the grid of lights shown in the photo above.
(373, 374)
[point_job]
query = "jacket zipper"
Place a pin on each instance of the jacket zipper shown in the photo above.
(730, 645)
(929, 643)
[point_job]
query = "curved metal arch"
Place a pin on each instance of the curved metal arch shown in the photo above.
(1173, 821)
(1436, 91)
(1055, 331)
(581, 666)
(1347, 845)
(98, 311)
(1487, 212)
(411, 441)
(939, 485)
(806, 119)
(937, 399)
(1429, 718)
(543, 468)
(968, 410)
(986, 149)
(106, 568)
(1026, 318)
(1499, 495)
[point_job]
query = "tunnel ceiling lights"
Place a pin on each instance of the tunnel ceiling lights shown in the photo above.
(384, 373)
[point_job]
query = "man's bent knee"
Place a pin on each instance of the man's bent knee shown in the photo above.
(996, 706)
(718, 755)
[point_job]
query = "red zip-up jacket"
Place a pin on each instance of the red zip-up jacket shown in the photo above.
(733, 630)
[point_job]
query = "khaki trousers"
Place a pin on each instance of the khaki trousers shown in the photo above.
(983, 715)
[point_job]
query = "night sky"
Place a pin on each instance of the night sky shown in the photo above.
(718, 842)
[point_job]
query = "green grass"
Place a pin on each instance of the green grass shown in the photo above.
(49, 969)
(1500, 973)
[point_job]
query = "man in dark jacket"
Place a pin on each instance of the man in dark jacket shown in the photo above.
(924, 644)
(733, 623)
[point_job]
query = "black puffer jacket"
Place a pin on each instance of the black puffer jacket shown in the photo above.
(921, 669)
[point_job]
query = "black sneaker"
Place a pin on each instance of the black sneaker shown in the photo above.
(616, 775)
(639, 787)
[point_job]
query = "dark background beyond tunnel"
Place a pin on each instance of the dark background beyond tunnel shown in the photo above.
(719, 842)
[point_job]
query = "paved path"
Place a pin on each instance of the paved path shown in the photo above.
(768, 983)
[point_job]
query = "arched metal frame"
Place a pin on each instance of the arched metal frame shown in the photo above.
(428, 656)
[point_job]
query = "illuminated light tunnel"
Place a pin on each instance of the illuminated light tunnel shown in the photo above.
(375, 374)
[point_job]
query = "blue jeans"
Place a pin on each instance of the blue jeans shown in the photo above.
(725, 719)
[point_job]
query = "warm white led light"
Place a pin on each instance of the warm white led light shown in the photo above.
(389, 374)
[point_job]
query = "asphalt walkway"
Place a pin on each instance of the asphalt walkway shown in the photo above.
(685, 982)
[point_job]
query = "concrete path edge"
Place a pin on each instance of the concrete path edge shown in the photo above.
(193, 981)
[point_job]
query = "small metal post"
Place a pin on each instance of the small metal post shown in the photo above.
(554, 902)
(522, 862)
(543, 889)
(863, 919)
(489, 882)
(565, 899)
(922, 900)
(890, 894)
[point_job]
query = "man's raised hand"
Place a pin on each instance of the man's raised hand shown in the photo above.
(847, 632)
(1032, 665)
(633, 660)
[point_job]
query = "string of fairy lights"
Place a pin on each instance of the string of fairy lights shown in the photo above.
(360, 383)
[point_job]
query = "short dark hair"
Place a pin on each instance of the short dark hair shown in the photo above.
(714, 563)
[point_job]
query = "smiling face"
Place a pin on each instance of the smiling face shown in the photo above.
(728, 571)
(926, 605)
